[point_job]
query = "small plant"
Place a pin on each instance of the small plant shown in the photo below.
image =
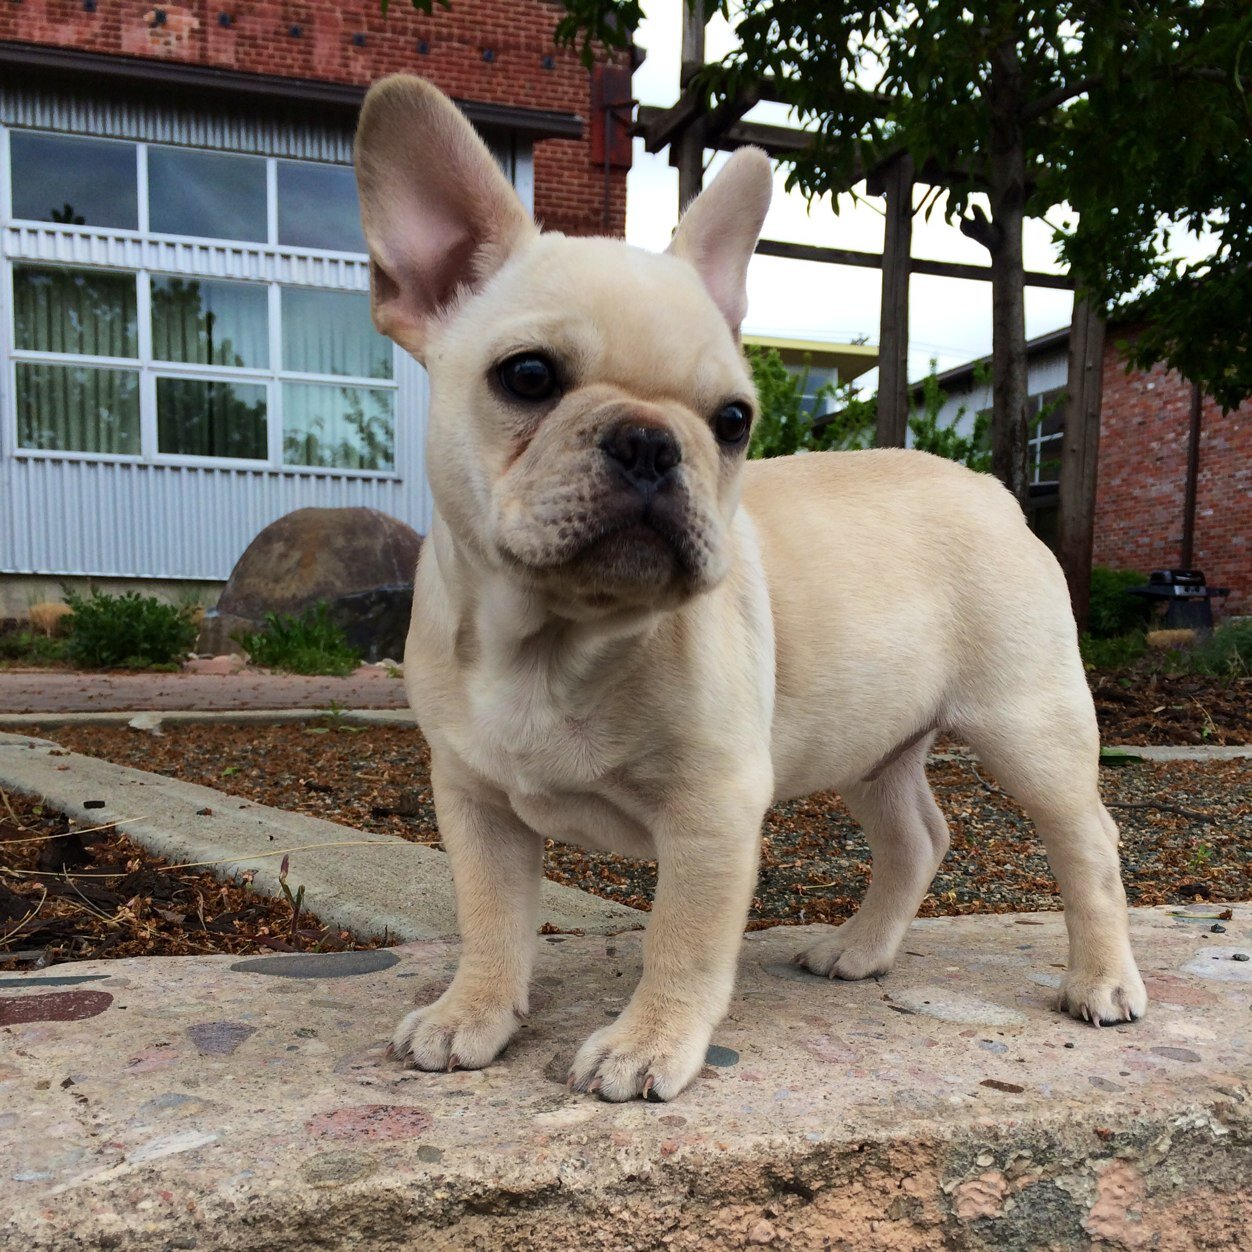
(1115, 653)
(1227, 652)
(48, 617)
(1113, 611)
(28, 647)
(129, 631)
(1201, 855)
(306, 644)
(334, 720)
(296, 901)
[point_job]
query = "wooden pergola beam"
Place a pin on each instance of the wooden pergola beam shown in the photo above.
(659, 127)
(873, 261)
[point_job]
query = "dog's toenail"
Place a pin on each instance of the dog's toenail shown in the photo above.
(596, 1084)
(390, 1054)
(453, 1062)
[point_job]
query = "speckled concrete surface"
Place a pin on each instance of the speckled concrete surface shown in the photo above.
(220, 1103)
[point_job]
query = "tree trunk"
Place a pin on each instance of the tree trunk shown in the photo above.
(893, 329)
(1008, 305)
(1080, 452)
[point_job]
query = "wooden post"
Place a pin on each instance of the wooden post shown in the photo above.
(1080, 454)
(1008, 306)
(687, 152)
(896, 184)
(1187, 553)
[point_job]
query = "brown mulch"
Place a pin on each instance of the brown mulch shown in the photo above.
(1148, 707)
(76, 892)
(1186, 826)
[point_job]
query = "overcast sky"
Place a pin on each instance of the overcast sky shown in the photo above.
(950, 319)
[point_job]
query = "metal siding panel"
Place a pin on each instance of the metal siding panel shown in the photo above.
(315, 137)
(1048, 372)
(157, 521)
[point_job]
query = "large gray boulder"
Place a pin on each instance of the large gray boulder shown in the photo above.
(360, 562)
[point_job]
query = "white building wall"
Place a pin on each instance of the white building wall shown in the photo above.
(1045, 372)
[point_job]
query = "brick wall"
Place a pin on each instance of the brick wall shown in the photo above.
(354, 43)
(1143, 466)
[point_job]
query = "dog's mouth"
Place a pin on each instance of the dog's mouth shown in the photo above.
(635, 544)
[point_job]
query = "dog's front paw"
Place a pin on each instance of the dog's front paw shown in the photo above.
(629, 1059)
(852, 952)
(453, 1034)
(1103, 1000)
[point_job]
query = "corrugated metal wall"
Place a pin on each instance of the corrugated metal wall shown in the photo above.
(62, 516)
(310, 136)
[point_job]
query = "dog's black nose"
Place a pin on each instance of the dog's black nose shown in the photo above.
(645, 455)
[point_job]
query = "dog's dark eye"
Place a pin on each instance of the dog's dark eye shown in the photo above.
(731, 423)
(528, 376)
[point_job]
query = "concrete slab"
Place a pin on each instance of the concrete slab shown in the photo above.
(197, 1103)
(122, 717)
(372, 884)
(59, 691)
(1189, 752)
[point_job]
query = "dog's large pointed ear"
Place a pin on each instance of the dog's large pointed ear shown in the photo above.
(720, 228)
(437, 211)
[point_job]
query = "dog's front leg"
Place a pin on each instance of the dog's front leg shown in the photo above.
(497, 866)
(706, 868)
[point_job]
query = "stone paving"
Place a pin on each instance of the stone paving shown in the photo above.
(227, 1103)
(58, 691)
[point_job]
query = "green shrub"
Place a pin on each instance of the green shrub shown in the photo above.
(972, 450)
(306, 644)
(129, 631)
(1115, 653)
(1113, 612)
(31, 647)
(784, 421)
(1226, 652)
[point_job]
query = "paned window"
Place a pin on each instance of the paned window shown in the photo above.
(74, 181)
(195, 366)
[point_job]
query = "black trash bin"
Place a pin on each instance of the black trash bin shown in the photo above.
(1189, 600)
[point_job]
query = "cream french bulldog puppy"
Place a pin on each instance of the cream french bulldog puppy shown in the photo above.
(625, 637)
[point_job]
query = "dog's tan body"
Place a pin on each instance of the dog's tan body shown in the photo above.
(625, 639)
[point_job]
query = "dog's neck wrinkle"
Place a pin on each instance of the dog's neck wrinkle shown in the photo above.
(559, 668)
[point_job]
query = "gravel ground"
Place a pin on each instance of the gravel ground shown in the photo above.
(1186, 826)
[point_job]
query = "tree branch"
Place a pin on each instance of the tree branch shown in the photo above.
(978, 228)
(1057, 96)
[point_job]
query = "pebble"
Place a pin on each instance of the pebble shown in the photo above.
(1239, 956)
(1217, 929)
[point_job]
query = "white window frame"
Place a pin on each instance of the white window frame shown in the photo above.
(139, 253)
(1039, 445)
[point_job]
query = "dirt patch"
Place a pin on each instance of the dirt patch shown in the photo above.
(76, 892)
(1186, 826)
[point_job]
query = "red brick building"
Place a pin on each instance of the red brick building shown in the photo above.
(186, 351)
(495, 56)
(1144, 427)
(1140, 495)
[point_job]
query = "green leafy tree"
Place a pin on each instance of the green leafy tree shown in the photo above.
(1016, 108)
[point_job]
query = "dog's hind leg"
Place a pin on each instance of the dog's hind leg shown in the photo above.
(908, 837)
(1047, 758)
